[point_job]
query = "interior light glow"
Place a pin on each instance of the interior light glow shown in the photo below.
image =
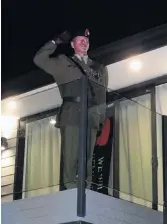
(53, 121)
(8, 124)
(135, 65)
(2, 148)
(12, 105)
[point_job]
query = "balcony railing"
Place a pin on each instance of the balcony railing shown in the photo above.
(117, 148)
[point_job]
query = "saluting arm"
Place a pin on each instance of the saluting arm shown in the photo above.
(42, 58)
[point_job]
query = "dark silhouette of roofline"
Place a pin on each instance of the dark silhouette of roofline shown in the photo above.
(133, 45)
(137, 44)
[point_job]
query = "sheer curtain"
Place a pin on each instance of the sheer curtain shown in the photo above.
(135, 150)
(161, 108)
(42, 158)
(161, 99)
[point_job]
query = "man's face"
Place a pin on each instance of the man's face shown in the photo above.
(80, 45)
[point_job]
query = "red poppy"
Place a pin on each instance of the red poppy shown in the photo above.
(103, 138)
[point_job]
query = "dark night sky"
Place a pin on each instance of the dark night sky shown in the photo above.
(26, 25)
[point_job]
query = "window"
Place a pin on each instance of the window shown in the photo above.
(161, 108)
(38, 156)
(135, 150)
(137, 160)
(42, 158)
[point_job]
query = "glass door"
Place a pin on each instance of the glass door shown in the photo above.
(42, 158)
(135, 150)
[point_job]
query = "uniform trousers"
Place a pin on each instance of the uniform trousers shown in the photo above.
(69, 153)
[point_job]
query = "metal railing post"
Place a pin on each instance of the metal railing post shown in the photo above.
(81, 194)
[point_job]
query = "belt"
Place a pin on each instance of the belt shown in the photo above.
(73, 99)
(77, 99)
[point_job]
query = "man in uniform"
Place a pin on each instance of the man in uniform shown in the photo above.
(68, 73)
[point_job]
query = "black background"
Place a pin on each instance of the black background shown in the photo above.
(26, 25)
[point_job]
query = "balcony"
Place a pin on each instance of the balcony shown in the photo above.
(49, 180)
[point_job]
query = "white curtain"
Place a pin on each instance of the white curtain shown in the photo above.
(135, 150)
(161, 99)
(42, 158)
(161, 108)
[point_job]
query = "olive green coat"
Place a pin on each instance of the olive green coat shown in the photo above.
(68, 77)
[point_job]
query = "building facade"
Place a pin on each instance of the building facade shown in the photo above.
(128, 157)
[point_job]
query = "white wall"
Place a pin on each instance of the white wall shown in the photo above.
(8, 166)
(153, 65)
(33, 102)
(53, 208)
(61, 207)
